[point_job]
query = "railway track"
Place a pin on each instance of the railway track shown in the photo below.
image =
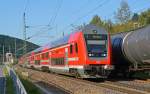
(143, 81)
(132, 84)
(79, 86)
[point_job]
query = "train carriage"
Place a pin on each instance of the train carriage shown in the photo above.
(85, 53)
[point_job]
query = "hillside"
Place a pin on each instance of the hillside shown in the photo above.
(8, 43)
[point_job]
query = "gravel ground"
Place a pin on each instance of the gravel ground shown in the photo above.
(78, 86)
(49, 89)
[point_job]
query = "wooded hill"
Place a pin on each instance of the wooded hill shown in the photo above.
(10, 44)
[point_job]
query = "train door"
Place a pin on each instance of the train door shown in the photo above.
(50, 58)
(66, 57)
(73, 54)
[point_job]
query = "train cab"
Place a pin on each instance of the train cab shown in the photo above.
(93, 58)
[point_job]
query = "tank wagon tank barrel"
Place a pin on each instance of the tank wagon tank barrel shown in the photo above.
(131, 50)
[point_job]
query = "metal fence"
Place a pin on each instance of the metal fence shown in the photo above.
(2, 85)
(2, 82)
(17, 83)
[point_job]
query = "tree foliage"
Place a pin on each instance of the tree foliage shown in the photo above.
(145, 17)
(127, 22)
(97, 21)
(135, 17)
(123, 13)
(109, 25)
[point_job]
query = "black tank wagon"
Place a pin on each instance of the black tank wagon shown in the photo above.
(131, 51)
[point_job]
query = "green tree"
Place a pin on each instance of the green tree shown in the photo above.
(96, 20)
(144, 18)
(123, 14)
(109, 25)
(148, 16)
(135, 17)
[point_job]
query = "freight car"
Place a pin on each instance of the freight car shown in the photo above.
(85, 53)
(131, 51)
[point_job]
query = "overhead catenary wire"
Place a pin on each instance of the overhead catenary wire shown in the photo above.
(91, 11)
(49, 25)
(37, 26)
(140, 4)
(100, 5)
(53, 18)
(39, 32)
(26, 5)
(81, 8)
(142, 9)
(86, 14)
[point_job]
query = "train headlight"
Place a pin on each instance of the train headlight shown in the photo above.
(103, 54)
(90, 54)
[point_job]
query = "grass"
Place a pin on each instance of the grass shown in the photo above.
(9, 85)
(5, 72)
(30, 87)
(9, 82)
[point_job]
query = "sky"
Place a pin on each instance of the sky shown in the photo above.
(48, 19)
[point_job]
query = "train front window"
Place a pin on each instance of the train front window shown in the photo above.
(96, 45)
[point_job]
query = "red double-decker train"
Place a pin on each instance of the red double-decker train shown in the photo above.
(85, 53)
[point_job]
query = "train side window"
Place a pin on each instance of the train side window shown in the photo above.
(37, 62)
(76, 47)
(71, 50)
(46, 55)
(43, 56)
(58, 61)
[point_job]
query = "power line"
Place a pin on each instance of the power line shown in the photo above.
(44, 27)
(140, 10)
(37, 26)
(81, 7)
(91, 11)
(53, 18)
(39, 32)
(26, 5)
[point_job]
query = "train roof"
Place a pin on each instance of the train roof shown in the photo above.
(90, 27)
(58, 42)
(64, 40)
